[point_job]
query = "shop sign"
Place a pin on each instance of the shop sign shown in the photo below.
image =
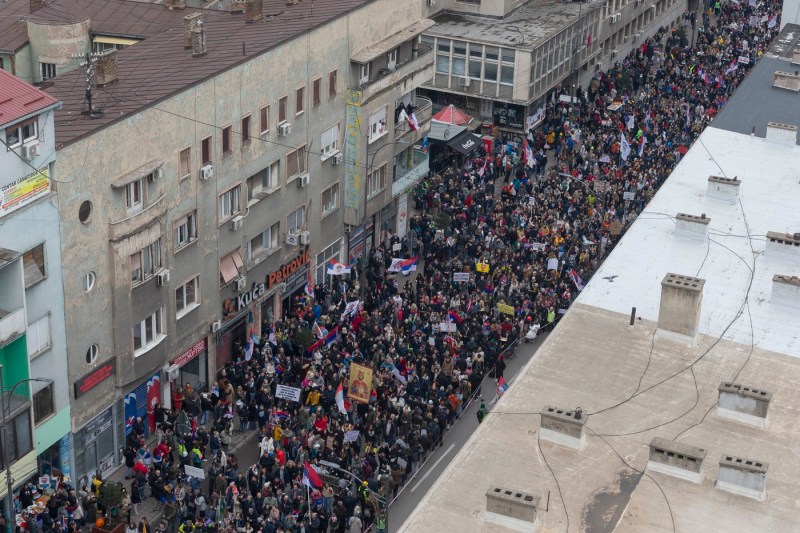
(509, 115)
(198, 348)
(96, 426)
(95, 377)
(246, 298)
(24, 190)
(288, 269)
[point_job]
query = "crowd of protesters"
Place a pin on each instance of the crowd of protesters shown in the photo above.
(528, 250)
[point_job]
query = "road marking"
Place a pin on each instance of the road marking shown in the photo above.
(431, 469)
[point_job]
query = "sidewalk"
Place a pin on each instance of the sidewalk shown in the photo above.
(146, 508)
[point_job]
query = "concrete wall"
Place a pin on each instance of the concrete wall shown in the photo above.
(58, 44)
(491, 8)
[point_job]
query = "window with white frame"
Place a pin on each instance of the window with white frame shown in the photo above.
(47, 70)
(38, 336)
(391, 59)
(146, 262)
(377, 125)
(376, 182)
(229, 203)
(262, 183)
(296, 163)
(22, 132)
(148, 333)
(330, 199)
(330, 142)
(134, 196)
(331, 252)
(185, 230)
(296, 220)
(262, 244)
(187, 297)
(507, 68)
(364, 74)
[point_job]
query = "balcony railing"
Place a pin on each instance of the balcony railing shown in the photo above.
(423, 112)
(385, 77)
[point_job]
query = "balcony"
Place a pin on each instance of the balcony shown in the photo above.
(137, 221)
(12, 324)
(419, 67)
(424, 112)
(408, 173)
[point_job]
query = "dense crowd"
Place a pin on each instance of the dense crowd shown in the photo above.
(540, 228)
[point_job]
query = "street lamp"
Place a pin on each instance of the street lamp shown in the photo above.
(380, 499)
(6, 406)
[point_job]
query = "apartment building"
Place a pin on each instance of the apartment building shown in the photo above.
(32, 334)
(209, 173)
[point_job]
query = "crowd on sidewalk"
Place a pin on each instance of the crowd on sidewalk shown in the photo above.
(429, 340)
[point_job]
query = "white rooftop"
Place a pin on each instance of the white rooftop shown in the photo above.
(769, 193)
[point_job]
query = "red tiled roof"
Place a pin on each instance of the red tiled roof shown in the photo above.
(159, 67)
(19, 99)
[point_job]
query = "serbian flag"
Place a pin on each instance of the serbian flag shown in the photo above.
(502, 386)
(399, 375)
(336, 268)
(412, 122)
(409, 265)
(732, 67)
(454, 316)
(589, 39)
(340, 399)
(576, 279)
(642, 142)
(310, 477)
(317, 331)
(281, 415)
(528, 154)
(310, 285)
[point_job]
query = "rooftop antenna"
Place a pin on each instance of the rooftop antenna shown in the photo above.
(90, 71)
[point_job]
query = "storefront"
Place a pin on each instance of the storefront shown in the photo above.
(141, 403)
(190, 368)
(359, 242)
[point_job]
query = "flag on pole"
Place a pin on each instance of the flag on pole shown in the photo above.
(529, 159)
(310, 285)
(340, 399)
(452, 315)
(409, 265)
(412, 121)
(624, 148)
(642, 142)
(248, 349)
(483, 168)
(630, 122)
(589, 39)
(310, 477)
(336, 268)
(350, 310)
(647, 120)
(576, 279)
(396, 373)
(317, 331)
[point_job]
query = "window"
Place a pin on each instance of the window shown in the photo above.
(377, 181)
(38, 336)
(476, 51)
(148, 333)
(88, 281)
(330, 199)
(507, 75)
(300, 100)
(459, 48)
(43, 404)
(331, 252)
(330, 142)
(283, 104)
(492, 53)
(364, 76)
(146, 262)
(315, 93)
(459, 65)
(187, 297)
(246, 129)
(134, 199)
(231, 267)
(443, 45)
(264, 119)
(260, 246)
(332, 84)
(475, 69)
(262, 183)
(47, 70)
(377, 125)
(490, 71)
(185, 230)
(391, 59)
(443, 64)
(296, 220)
(185, 166)
(19, 439)
(22, 132)
(33, 263)
(296, 163)
(229, 203)
(508, 55)
(206, 151)
(92, 353)
(226, 140)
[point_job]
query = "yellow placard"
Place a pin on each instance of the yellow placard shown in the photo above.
(359, 385)
(482, 268)
(505, 309)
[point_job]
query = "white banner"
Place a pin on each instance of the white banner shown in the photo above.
(351, 436)
(460, 276)
(552, 264)
(287, 393)
(195, 472)
(449, 327)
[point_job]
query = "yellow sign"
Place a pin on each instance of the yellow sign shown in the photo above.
(482, 267)
(505, 309)
(25, 190)
(359, 385)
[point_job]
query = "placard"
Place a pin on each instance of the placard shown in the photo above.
(744, 60)
(552, 264)
(359, 386)
(351, 436)
(449, 327)
(460, 277)
(482, 267)
(195, 472)
(629, 195)
(505, 309)
(287, 393)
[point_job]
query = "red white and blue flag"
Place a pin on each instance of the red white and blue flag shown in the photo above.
(336, 268)
(452, 315)
(576, 279)
(409, 265)
(310, 477)
(502, 386)
(340, 399)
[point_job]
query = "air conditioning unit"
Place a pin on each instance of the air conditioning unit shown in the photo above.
(206, 172)
(236, 223)
(292, 239)
(613, 53)
(303, 181)
(305, 238)
(284, 129)
(337, 159)
(155, 175)
(215, 326)
(173, 372)
(29, 151)
(241, 284)
(465, 82)
(163, 278)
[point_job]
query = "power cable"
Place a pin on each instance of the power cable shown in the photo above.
(558, 485)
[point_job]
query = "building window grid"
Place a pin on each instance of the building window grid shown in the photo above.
(330, 141)
(33, 264)
(187, 297)
(245, 129)
(22, 133)
(332, 84)
(186, 230)
(263, 182)
(146, 263)
(263, 117)
(296, 163)
(148, 333)
(264, 242)
(42, 402)
(316, 93)
(331, 252)
(300, 100)
(330, 199)
(376, 182)
(229, 203)
(38, 336)
(296, 220)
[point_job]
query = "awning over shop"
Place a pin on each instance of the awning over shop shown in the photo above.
(444, 132)
(465, 143)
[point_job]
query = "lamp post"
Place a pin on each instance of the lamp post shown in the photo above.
(384, 500)
(7, 394)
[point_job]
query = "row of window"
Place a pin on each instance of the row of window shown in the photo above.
(477, 61)
(21, 133)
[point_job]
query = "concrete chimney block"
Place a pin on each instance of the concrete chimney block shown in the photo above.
(786, 80)
(692, 226)
(198, 40)
(784, 134)
(676, 459)
(796, 56)
(679, 310)
(106, 68)
(36, 5)
(745, 477)
(783, 245)
(175, 5)
(786, 291)
(253, 10)
(563, 427)
(725, 189)
(514, 509)
(743, 404)
(188, 23)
